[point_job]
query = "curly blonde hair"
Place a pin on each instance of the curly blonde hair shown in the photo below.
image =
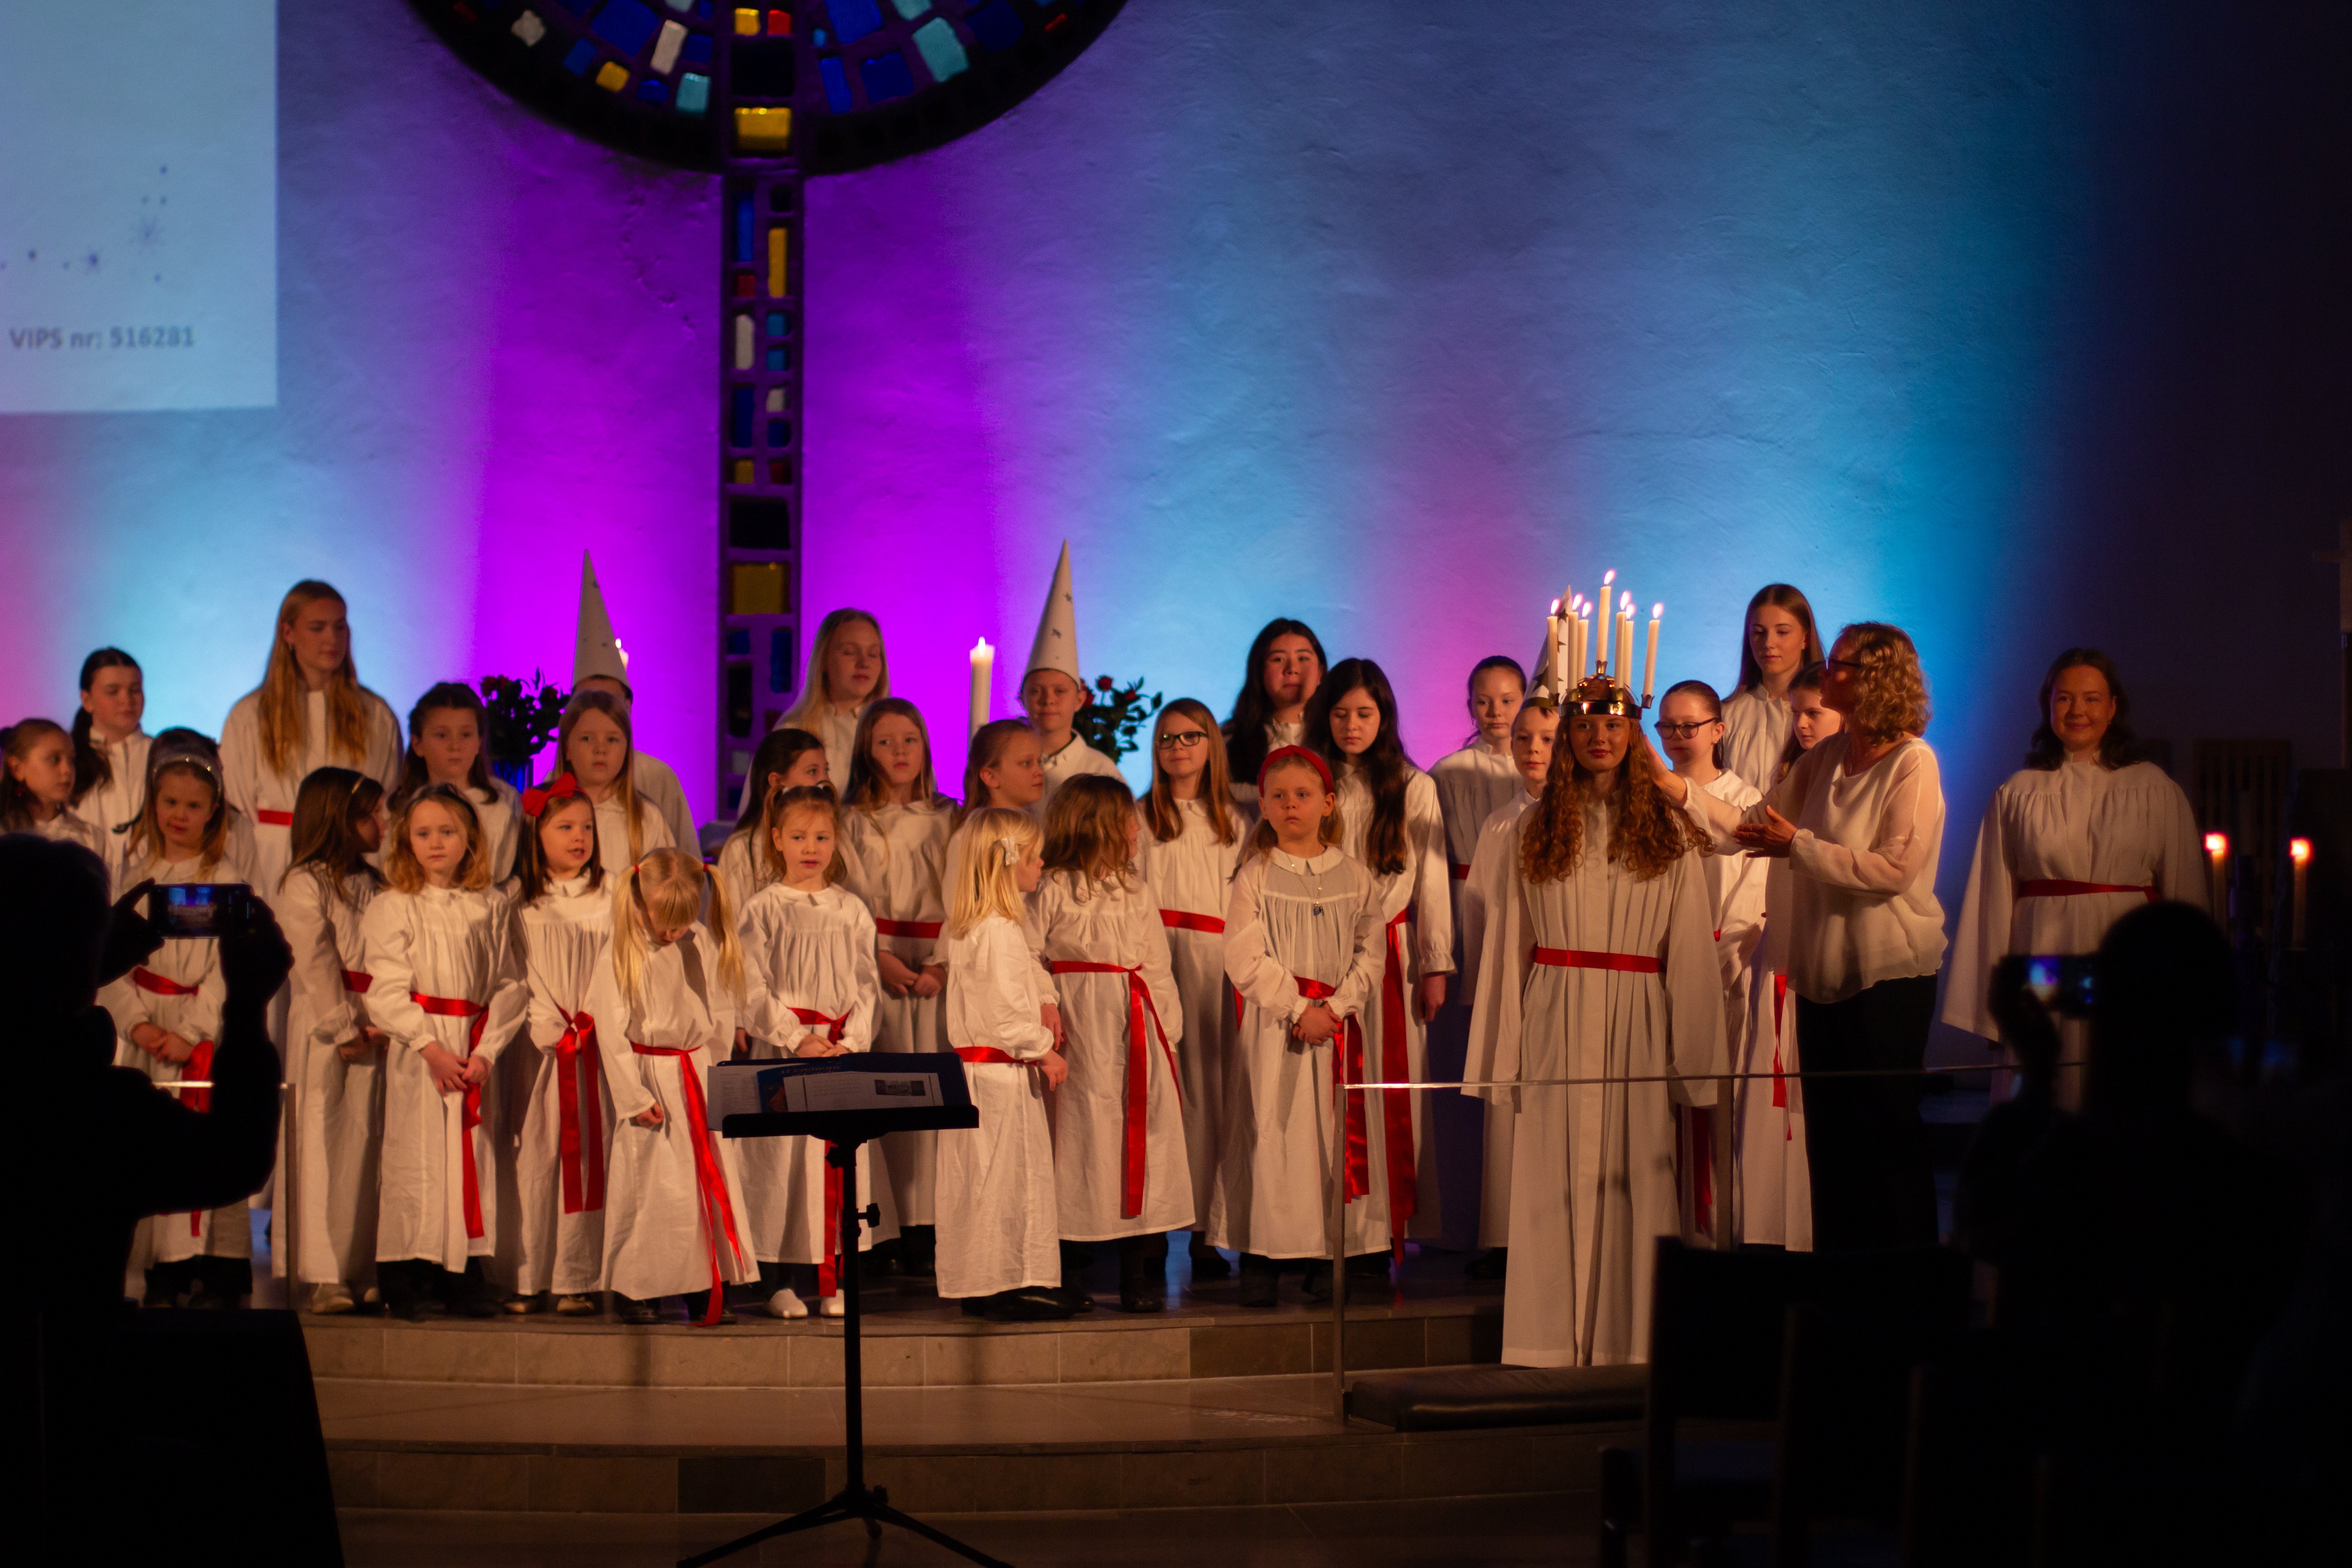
(1891, 689)
(1647, 835)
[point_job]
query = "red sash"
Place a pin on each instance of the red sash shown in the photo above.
(1139, 1073)
(707, 1174)
(1779, 1084)
(1347, 1066)
(922, 930)
(2045, 888)
(828, 1273)
(578, 1156)
(197, 1068)
(1396, 1104)
(357, 981)
(1572, 957)
(274, 819)
(990, 1057)
(1461, 873)
(1698, 1152)
(1208, 925)
(471, 1111)
(148, 980)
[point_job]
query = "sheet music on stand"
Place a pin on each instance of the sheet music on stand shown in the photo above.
(874, 1091)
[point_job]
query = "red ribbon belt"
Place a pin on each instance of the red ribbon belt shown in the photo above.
(275, 818)
(828, 1272)
(1461, 873)
(2048, 888)
(922, 929)
(1347, 1066)
(1208, 925)
(1139, 1072)
(198, 1068)
(1573, 958)
(471, 1111)
(579, 1157)
(1396, 1106)
(1779, 1084)
(707, 1174)
(989, 1055)
(357, 981)
(148, 980)
(1698, 1148)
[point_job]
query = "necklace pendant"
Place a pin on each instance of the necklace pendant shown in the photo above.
(1318, 910)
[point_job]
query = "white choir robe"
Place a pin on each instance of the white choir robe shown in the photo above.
(812, 951)
(67, 828)
(1082, 919)
(1000, 1228)
(1425, 944)
(612, 833)
(662, 1232)
(835, 727)
(743, 869)
(1076, 759)
(1473, 783)
(501, 818)
(1489, 879)
(565, 936)
(2121, 827)
(1756, 730)
(116, 804)
(455, 945)
(1277, 736)
(193, 965)
(895, 854)
(1189, 876)
(1287, 919)
(1593, 1180)
(342, 1114)
(267, 795)
(657, 781)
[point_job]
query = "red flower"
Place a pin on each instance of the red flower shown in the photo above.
(1103, 683)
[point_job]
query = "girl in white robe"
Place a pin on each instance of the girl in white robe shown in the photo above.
(895, 848)
(664, 1011)
(1776, 640)
(1000, 1227)
(1190, 843)
(1285, 665)
(596, 745)
(166, 1012)
(848, 669)
(809, 989)
(111, 752)
(1599, 961)
(36, 781)
(448, 993)
(309, 711)
(332, 1050)
(564, 926)
(2079, 837)
(1004, 769)
(1120, 1168)
(786, 759)
(1304, 948)
(446, 734)
(1394, 829)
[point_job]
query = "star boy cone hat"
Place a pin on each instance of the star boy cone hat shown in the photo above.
(1541, 683)
(1057, 646)
(595, 651)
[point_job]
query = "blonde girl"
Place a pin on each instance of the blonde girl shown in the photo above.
(786, 759)
(597, 747)
(447, 992)
(111, 750)
(167, 1010)
(309, 711)
(333, 1050)
(850, 669)
(895, 847)
(565, 928)
(448, 733)
(1303, 948)
(1192, 839)
(36, 784)
(664, 1011)
(809, 990)
(999, 1220)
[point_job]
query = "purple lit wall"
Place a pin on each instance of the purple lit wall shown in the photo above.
(2020, 330)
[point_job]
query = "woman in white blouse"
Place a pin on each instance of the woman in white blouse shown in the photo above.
(2079, 837)
(1861, 819)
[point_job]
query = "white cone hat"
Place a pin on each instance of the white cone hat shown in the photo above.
(1057, 646)
(595, 651)
(1540, 679)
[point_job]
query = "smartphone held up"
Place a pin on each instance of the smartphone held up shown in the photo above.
(198, 911)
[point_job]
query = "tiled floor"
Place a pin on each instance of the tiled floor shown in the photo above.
(1555, 1529)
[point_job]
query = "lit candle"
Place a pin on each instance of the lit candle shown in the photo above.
(2298, 850)
(1625, 639)
(1601, 650)
(1649, 658)
(983, 670)
(2217, 851)
(1576, 629)
(1552, 652)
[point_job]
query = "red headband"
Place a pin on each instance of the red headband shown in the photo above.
(563, 786)
(1300, 753)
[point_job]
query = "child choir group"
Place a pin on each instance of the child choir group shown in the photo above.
(504, 1006)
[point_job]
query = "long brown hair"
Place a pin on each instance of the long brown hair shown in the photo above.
(1705, 693)
(1086, 828)
(783, 803)
(90, 767)
(1384, 765)
(987, 750)
(625, 786)
(1163, 812)
(195, 756)
(1809, 678)
(1245, 730)
(2118, 748)
(283, 690)
(869, 791)
(813, 692)
(1781, 596)
(400, 867)
(454, 697)
(327, 810)
(531, 875)
(1648, 834)
(15, 741)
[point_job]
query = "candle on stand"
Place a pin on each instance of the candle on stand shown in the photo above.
(1575, 650)
(1649, 659)
(2298, 850)
(984, 671)
(2217, 852)
(1552, 652)
(1601, 649)
(1625, 640)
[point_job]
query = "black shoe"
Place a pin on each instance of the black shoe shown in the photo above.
(629, 1309)
(1035, 1304)
(974, 1306)
(1368, 1266)
(880, 1261)
(918, 1250)
(698, 1302)
(1143, 1273)
(1488, 1265)
(403, 1301)
(1317, 1288)
(1208, 1263)
(211, 1301)
(1079, 1299)
(1260, 1276)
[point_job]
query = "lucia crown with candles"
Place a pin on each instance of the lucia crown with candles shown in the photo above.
(1604, 685)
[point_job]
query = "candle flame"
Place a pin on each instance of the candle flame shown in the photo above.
(1657, 611)
(982, 647)
(1608, 577)
(1625, 604)
(2217, 844)
(1555, 606)
(2299, 851)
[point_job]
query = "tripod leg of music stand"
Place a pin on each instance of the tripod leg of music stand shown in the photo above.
(832, 1510)
(888, 1515)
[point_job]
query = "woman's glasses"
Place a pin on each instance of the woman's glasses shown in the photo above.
(1673, 732)
(1181, 739)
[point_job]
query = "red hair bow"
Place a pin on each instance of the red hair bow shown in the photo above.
(563, 786)
(1294, 753)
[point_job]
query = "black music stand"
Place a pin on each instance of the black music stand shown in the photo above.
(844, 1129)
